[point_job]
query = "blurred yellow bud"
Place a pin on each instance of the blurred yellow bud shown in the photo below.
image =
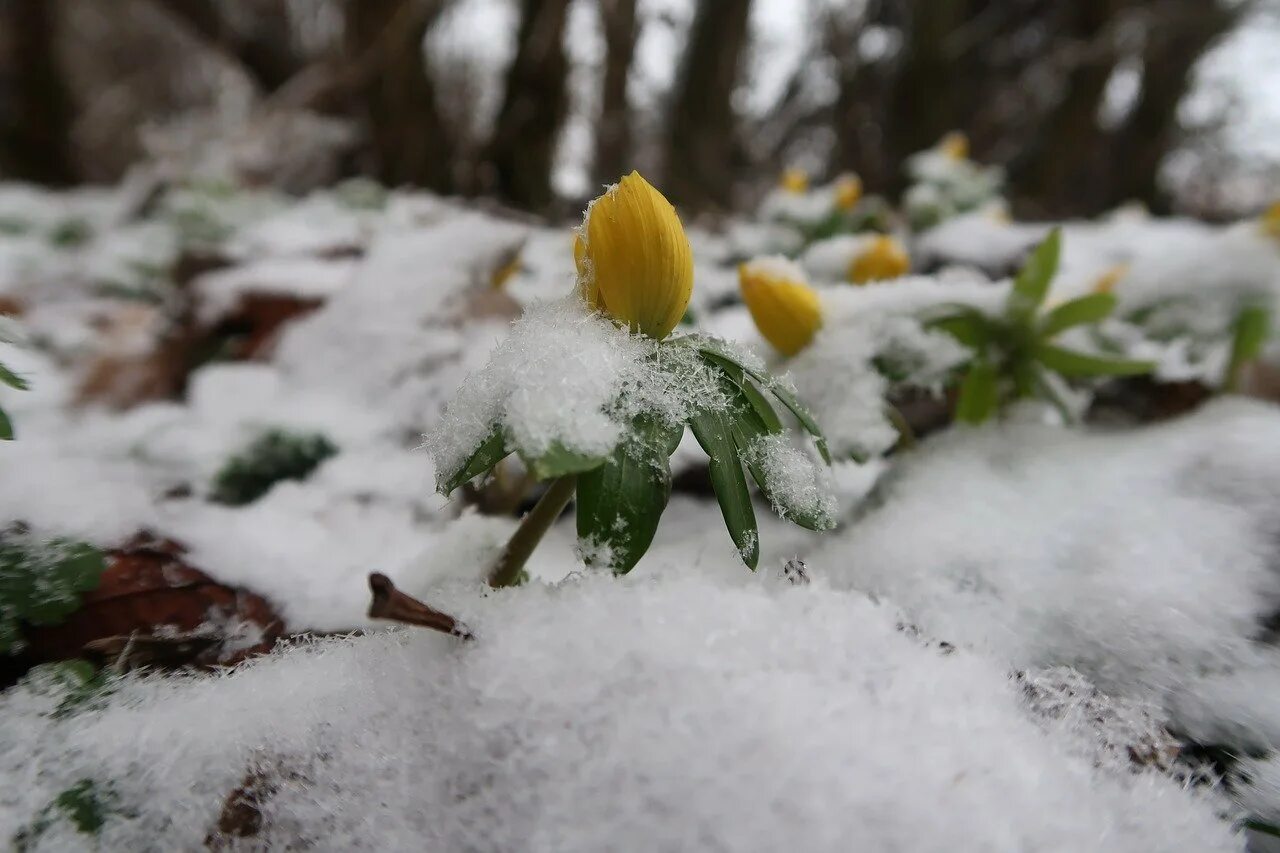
(633, 258)
(884, 258)
(848, 191)
(955, 145)
(1271, 221)
(506, 268)
(1108, 280)
(784, 307)
(795, 181)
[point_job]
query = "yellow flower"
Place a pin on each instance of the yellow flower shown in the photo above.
(884, 258)
(1108, 280)
(795, 181)
(955, 145)
(848, 191)
(1271, 221)
(505, 269)
(633, 258)
(785, 309)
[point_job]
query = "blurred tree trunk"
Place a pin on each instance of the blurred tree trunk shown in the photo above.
(409, 139)
(1180, 33)
(613, 129)
(35, 107)
(1062, 168)
(521, 151)
(260, 40)
(702, 152)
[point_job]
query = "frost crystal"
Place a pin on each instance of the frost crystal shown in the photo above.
(795, 483)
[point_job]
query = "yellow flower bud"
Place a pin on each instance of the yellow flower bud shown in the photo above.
(1108, 280)
(633, 258)
(955, 145)
(785, 308)
(795, 181)
(506, 268)
(884, 258)
(1271, 221)
(848, 191)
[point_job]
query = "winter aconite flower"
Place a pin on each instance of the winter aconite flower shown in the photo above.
(1271, 221)
(1107, 282)
(633, 258)
(785, 308)
(795, 181)
(955, 145)
(884, 258)
(848, 191)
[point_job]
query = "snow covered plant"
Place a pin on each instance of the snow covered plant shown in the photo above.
(818, 213)
(8, 377)
(593, 396)
(1015, 354)
(945, 182)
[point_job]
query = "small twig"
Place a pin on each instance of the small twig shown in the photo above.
(390, 603)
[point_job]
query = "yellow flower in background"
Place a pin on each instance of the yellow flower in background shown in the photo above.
(884, 258)
(505, 269)
(848, 191)
(633, 258)
(785, 308)
(1108, 280)
(955, 145)
(795, 181)
(1271, 221)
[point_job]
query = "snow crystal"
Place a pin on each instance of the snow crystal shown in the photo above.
(795, 483)
(601, 715)
(565, 377)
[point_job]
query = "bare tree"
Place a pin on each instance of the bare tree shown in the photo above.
(702, 150)
(35, 107)
(613, 128)
(410, 141)
(522, 148)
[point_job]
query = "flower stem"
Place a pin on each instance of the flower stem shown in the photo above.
(531, 530)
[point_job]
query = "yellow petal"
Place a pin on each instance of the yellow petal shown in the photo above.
(1108, 280)
(633, 258)
(884, 258)
(785, 309)
(848, 191)
(795, 181)
(1271, 221)
(955, 145)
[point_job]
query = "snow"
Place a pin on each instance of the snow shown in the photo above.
(602, 715)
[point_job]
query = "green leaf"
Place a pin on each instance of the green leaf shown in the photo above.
(1031, 285)
(559, 461)
(775, 388)
(76, 683)
(6, 427)
(969, 326)
(714, 432)
(490, 452)
(620, 502)
(737, 374)
(979, 394)
(274, 456)
(41, 584)
(85, 805)
(13, 380)
(1078, 312)
(1252, 327)
(1070, 363)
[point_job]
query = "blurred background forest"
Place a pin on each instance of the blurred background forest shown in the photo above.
(1088, 104)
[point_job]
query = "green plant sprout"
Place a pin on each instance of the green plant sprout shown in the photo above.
(1015, 355)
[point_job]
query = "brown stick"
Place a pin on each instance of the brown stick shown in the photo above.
(390, 603)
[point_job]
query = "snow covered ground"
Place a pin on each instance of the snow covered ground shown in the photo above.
(1020, 637)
